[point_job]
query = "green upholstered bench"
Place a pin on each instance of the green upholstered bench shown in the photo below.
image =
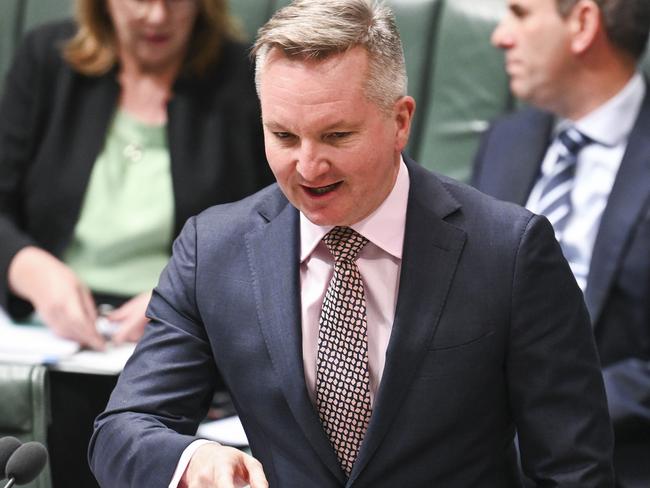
(455, 75)
(24, 409)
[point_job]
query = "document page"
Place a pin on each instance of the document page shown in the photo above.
(31, 343)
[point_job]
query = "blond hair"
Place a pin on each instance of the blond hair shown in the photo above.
(317, 29)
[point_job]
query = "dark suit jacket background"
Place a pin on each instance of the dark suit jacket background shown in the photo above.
(490, 330)
(53, 124)
(618, 286)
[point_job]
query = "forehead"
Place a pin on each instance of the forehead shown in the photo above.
(292, 83)
(280, 69)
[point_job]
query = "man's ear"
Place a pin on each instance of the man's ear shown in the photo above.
(585, 23)
(403, 112)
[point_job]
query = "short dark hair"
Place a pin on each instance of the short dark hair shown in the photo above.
(627, 22)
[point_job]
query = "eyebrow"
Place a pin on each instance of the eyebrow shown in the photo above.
(517, 8)
(341, 125)
(274, 126)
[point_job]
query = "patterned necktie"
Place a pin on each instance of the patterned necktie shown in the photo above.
(342, 376)
(555, 199)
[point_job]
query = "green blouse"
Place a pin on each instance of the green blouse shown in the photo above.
(122, 239)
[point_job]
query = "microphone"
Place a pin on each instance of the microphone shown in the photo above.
(7, 447)
(25, 463)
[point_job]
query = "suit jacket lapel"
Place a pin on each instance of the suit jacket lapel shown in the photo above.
(629, 196)
(526, 154)
(511, 155)
(429, 258)
(93, 103)
(273, 251)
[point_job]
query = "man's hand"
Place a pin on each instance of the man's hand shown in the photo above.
(131, 318)
(62, 301)
(216, 466)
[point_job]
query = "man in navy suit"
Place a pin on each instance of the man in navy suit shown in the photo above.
(576, 63)
(377, 325)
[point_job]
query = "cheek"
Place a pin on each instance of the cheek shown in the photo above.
(272, 155)
(383, 143)
(184, 27)
(279, 166)
(546, 67)
(126, 30)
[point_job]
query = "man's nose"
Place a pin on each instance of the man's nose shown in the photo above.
(501, 35)
(311, 163)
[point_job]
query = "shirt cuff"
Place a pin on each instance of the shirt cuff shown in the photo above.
(185, 460)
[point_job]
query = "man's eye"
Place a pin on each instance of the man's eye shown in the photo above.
(337, 136)
(285, 137)
(518, 11)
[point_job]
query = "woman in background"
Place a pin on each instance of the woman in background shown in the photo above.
(115, 129)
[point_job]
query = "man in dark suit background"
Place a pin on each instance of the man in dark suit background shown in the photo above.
(576, 62)
(377, 325)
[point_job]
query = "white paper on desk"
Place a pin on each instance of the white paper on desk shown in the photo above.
(109, 361)
(35, 344)
(31, 344)
(228, 431)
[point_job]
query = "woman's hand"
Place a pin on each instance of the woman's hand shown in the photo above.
(62, 301)
(131, 319)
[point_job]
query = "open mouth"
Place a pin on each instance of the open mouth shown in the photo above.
(322, 190)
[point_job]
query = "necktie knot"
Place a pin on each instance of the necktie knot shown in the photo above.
(344, 243)
(573, 140)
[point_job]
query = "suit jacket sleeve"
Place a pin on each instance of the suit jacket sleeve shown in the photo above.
(171, 374)
(556, 387)
(627, 384)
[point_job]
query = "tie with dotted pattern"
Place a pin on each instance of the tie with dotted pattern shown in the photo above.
(342, 376)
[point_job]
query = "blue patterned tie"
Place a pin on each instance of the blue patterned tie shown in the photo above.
(342, 375)
(555, 199)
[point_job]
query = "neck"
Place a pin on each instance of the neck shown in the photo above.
(145, 94)
(146, 89)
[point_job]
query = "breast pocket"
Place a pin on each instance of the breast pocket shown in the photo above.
(459, 360)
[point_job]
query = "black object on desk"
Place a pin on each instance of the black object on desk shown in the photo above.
(75, 399)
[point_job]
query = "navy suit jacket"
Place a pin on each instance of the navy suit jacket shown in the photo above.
(490, 333)
(618, 286)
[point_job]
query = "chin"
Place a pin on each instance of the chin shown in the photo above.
(516, 88)
(317, 219)
(322, 218)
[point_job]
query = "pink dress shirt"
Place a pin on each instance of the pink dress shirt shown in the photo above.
(379, 264)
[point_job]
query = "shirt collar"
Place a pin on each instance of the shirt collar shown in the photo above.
(611, 123)
(384, 227)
